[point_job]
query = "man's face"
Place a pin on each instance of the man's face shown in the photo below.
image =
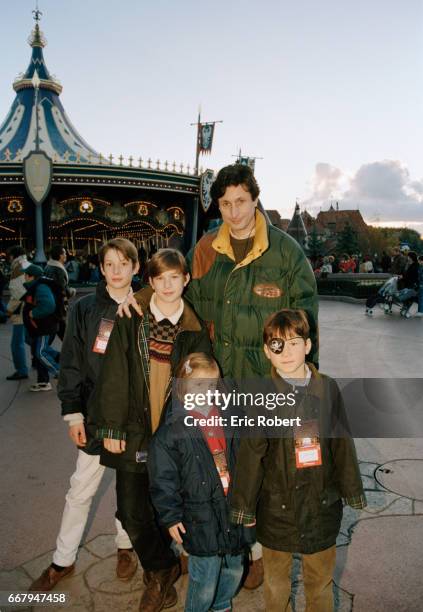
(291, 360)
(63, 256)
(117, 269)
(169, 285)
(238, 209)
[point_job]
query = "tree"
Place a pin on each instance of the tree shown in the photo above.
(347, 241)
(314, 246)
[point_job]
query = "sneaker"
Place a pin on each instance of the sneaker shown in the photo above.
(127, 563)
(50, 577)
(17, 376)
(159, 587)
(255, 575)
(419, 314)
(41, 387)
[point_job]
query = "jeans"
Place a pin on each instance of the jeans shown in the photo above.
(84, 484)
(420, 294)
(44, 358)
(17, 346)
(151, 542)
(213, 582)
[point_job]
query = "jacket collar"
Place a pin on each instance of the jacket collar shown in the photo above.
(189, 320)
(222, 242)
(315, 386)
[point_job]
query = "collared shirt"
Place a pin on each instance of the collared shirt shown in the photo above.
(159, 316)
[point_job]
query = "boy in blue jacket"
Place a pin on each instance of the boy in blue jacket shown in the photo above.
(41, 322)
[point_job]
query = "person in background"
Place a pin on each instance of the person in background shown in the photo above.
(55, 269)
(420, 289)
(18, 265)
(41, 323)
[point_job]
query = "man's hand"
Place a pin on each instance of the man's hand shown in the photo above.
(174, 532)
(251, 524)
(124, 308)
(77, 434)
(30, 314)
(114, 446)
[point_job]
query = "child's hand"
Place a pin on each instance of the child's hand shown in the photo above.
(124, 308)
(174, 532)
(114, 446)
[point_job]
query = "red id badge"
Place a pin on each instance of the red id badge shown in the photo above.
(307, 445)
(103, 335)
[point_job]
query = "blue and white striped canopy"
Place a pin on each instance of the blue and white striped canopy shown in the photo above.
(57, 136)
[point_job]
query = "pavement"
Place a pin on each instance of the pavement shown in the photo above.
(379, 561)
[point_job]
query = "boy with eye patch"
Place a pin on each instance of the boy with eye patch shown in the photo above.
(293, 488)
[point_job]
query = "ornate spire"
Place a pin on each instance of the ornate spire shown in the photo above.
(37, 114)
(37, 41)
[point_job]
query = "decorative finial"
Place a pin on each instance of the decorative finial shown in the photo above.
(37, 13)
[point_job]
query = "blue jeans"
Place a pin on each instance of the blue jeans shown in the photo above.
(213, 581)
(17, 346)
(420, 293)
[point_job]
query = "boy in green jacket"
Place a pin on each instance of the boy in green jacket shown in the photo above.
(293, 488)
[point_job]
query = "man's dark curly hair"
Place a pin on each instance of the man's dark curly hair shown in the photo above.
(235, 175)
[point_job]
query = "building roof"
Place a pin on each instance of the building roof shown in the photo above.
(296, 227)
(336, 220)
(57, 136)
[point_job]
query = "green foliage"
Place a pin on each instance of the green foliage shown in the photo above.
(347, 241)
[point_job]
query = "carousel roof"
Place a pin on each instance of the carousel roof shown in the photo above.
(57, 136)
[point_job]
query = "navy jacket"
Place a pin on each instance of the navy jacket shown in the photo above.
(185, 487)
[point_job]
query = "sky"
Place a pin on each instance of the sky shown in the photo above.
(328, 93)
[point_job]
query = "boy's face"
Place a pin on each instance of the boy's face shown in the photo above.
(291, 360)
(169, 285)
(117, 269)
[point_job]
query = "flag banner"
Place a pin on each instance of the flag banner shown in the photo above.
(247, 161)
(205, 137)
(205, 184)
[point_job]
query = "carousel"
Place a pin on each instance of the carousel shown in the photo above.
(56, 188)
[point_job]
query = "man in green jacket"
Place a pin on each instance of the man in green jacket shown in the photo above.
(244, 271)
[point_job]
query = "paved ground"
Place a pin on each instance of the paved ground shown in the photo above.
(379, 565)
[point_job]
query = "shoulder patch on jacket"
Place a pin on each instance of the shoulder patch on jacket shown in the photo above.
(204, 256)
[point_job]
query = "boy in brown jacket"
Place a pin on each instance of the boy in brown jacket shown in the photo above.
(293, 488)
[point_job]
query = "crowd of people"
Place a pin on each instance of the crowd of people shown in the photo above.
(393, 262)
(229, 511)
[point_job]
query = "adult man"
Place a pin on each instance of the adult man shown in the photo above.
(89, 327)
(244, 271)
(55, 269)
(19, 262)
(241, 273)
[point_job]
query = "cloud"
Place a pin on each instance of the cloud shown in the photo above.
(382, 190)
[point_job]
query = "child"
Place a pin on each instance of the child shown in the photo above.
(134, 384)
(295, 485)
(190, 470)
(85, 342)
(41, 321)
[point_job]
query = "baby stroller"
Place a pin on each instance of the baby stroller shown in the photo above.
(389, 296)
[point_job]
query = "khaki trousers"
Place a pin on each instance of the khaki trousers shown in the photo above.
(318, 571)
